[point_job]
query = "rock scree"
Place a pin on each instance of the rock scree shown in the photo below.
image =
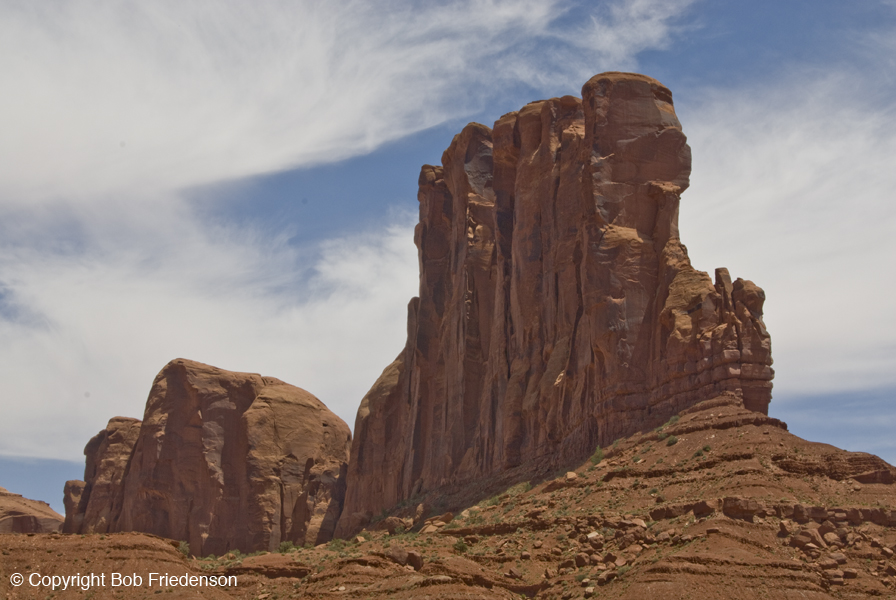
(222, 460)
(558, 309)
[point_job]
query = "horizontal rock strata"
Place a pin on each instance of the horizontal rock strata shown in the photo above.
(558, 309)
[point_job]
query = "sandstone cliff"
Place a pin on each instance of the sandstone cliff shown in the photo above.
(21, 515)
(222, 460)
(558, 309)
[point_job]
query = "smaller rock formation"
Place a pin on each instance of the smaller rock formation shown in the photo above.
(21, 515)
(95, 501)
(222, 460)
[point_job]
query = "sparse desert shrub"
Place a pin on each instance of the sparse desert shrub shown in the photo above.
(286, 547)
(184, 548)
(460, 546)
(672, 440)
(496, 499)
(597, 456)
(518, 489)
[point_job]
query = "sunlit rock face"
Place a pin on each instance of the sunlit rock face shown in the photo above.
(558, 309)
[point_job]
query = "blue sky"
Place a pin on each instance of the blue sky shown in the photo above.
(236, 184)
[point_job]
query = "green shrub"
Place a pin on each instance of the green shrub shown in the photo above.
(672, 440)
(597, 456)
(460, 547)
(518, 489)
(287, 547)
(184, 548)
(706, 448)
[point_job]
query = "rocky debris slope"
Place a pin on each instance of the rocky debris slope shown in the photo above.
(715, 503)
(707, 505)
(21, 515)
(221, 460)
(558, 308)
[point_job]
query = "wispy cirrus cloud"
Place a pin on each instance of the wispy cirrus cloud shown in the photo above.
(110, 111)
(88, 331)
(101, 98)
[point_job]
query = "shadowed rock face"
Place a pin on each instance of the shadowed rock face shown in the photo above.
(91, 506)
(558, 309)
(222, 460)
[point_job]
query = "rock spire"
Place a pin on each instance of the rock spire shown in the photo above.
(558, 309)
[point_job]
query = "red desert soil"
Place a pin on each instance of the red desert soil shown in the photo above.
(718, 503)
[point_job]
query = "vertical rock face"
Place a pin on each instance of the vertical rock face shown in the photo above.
(558, 309)
(92, 505)
(222, 460)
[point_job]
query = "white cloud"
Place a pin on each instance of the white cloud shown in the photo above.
(110, 110)
(793, 188)
(104, 98)
(103, 321)
(631, 27)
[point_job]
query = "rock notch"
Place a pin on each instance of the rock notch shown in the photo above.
(222, 460)
(558, 309)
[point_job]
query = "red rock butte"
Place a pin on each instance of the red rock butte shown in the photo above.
(221, 460)
(558, 309)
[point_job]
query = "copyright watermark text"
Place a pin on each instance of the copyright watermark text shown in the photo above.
(120, 580)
